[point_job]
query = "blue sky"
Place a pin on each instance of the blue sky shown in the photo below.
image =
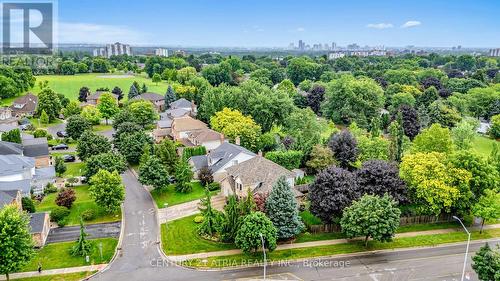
(440, 23)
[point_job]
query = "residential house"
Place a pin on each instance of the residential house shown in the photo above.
(6, 117)
(181, 127)
(183, 103)
(257, 174)
(25, 105)
(94, 98)
(208, 138)
(37, 148)
(221, 158)
(11, 197)
(156, 99)
(164, 125)
(19, 173)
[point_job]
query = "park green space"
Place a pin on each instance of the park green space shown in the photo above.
(345, 248)
(57, 255)
(83, 202)
(60, 277)
(171, 197)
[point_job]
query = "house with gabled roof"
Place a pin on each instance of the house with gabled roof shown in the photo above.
(24, 105)
(156, 99)
(183, 103)
(94, 98)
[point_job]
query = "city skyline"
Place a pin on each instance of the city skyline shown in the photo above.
(276, 24)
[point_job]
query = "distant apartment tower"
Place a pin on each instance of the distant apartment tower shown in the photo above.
(161, 52)
(334, 46)
(495, 52)
(302, 45)
(115, 49)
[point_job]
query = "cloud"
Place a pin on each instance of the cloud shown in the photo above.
(97, 33)
(381, 25)
(411, 23)
(300, 29)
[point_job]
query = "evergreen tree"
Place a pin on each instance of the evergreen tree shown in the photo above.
(210, 216)
(183, 175)
(133, 92)
(44, 118)
(83, 246)
(232, 220)
(396, 131)
(247, 205)
(117, 91)
(170, 96)
(144, 88)
(486, 263)
(282, 210)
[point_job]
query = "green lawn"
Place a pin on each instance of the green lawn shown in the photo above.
(69, 85)
(172, 197)
(74, 169)
(57, 255)
(60, 277)
(37, 124)
(483, 145)
(180, 237)
(83, 202)
(102, 127)
(353, 247)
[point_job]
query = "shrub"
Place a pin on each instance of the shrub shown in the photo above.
(66, 197)
(89, 214)
(205, 176)
(59, 214)
(213, 186)
(28, 205)
(289, 159)
(50, 188)
(495, 127)
(187, 152)
(198, 219)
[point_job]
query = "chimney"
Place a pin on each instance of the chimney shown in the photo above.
(237, 140)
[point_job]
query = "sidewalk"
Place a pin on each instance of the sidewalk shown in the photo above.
(188, 209)
(181, 258)
(90, 268)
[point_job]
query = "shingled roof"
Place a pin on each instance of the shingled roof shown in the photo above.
(35, 147)
(149, 97)
(25, 104)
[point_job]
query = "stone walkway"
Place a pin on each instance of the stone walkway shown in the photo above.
(28, 274)
(181, 258)
(187, 209)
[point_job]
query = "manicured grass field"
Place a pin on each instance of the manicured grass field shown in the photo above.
(37, 124)
(69, 85)
(83, 202)
(60, 277)
(74, 169)
(483, 145)
(172, 197)
(353, 247)
(102, 127)
(181, 237)
(57, 255)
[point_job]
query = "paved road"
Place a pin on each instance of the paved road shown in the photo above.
(140, 257)
(71, 233)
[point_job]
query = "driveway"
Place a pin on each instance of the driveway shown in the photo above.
(140, 257)
(71, 233)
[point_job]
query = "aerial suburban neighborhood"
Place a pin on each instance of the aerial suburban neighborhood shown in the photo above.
(134, 152)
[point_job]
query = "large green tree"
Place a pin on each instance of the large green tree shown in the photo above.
(107, 190)
(90, 144)
(487, 207)
(76, 126)
(48, 101)
(152, 172)
(107, 106)
(235, 125)
(166, 151)
(248, 236)
(486, 263)
(109, 161)
(143, 112)
(183, 175)
(433, 139)
(131, 145)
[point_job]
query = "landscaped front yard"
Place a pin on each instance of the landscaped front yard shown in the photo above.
(57, 255)
(171, 197)
(83, 202)
(74, 170)
(60, 277)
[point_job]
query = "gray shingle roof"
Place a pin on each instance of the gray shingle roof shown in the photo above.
(24, 104)
(149, 96)
(7, 196)
(37, 222)
(166, 123)
(36, 147)
(97, 95)
(23, 185)
(14, 164)
(10, 148)
(199, 161)
(7, 127)
(180, 103)
(224, 153)
(175, 113)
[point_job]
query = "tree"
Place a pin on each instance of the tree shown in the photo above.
(13, 135)
(433, 184)
(247, 205)
(487, 207)
(118, 92)
(59, 166)
(205, 176)
(316, 97)
(66, 197)
(133, 92)
(344, 147)
(371, 148)
(91, 114)
(156, 79)
(216, 74)
(303, 126)
(152, 172)
(185, 74)
(76, 126)
(107, 106)
(442, 113)
(429, 96)
(82, 247)
(28, 204)
(48, 101)
(235, 125)
(333, 190)
(44, 118)
(411, 122)
(396, 132)
(107, 190)
(371, 216)
(183, 175)
(494, 131)
(211, 217)
(378, 177)
(16, 244)
(83, 94)
(320, 158)
(109, 161)
(435, 138)
(486, 263)
(72, 109)
(131, 145)
(166, 151)
(463, 135)
(248, 237)
(90, 144)
(283, 211)
(302, 68)
(170, 96)
(143, 112)
(231, 220)
(348, 99)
